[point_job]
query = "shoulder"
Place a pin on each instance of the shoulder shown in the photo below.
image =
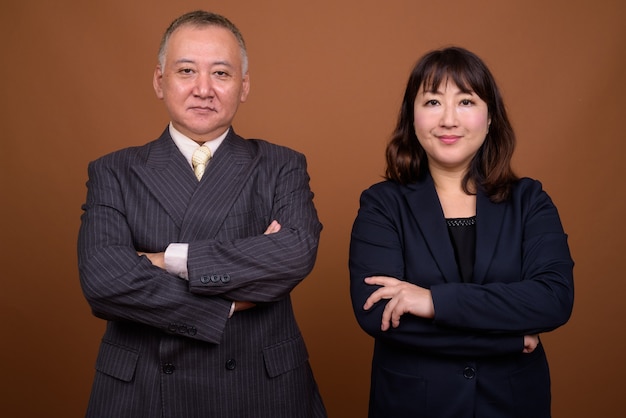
(125, 156)
(386, 193)
(534, 205)
(528, 191)
(265, 147)
(393, 189)
(265, 151)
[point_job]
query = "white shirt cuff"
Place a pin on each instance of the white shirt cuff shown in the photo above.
(176, 259)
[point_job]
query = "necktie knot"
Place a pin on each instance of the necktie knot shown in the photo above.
(199, 160)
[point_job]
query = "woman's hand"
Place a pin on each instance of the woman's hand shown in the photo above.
(403, 298)
(530, 343)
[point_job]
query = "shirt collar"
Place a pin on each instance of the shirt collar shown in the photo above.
(187, 146)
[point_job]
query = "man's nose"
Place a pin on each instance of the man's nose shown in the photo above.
(204, 86)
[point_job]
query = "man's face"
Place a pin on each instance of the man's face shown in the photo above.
(201, 82)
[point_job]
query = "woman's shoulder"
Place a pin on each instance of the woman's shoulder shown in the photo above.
(526, 186)
(385, 188)
(529, 193)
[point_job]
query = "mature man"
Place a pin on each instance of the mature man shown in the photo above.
(191, 261)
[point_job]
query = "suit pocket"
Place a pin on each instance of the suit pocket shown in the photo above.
(531, 386)
(117, 361)
(285, 356)
(397, 395)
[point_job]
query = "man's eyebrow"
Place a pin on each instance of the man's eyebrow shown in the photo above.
(226, 63)
(184, 61)
(191, 61)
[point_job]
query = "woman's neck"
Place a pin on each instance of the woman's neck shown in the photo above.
(455, 202)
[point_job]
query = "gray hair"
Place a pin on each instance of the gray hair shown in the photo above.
(199, 19)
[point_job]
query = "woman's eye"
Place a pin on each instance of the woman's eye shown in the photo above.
(466, 102)
(432, 102)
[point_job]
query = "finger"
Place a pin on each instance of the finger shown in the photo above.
(387, 314)
(376, 280)
(377, 296)
(272, 228)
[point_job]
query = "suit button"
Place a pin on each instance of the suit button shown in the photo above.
(215, 278)
(168, 368)
(469, 373)
(226, 278)
(231, 364)
(204, 279)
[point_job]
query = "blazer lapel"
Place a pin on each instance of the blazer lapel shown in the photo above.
(489, 218)
(219, 188)
(426, 209)
(168, 176)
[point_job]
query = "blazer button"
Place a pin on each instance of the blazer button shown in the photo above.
(204, 279)
(469, 373)
(226, 278)
(231, 364)
(168, 368)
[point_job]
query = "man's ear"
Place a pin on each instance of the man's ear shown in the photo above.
(157, 79)
(245, 87)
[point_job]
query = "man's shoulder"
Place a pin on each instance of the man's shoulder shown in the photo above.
(128, 155)
(263, 147)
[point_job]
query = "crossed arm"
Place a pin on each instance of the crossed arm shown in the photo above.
(407, 298)
(528, 293)
(158, 260)
(122, 286)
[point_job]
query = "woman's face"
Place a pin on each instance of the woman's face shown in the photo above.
(451, 125)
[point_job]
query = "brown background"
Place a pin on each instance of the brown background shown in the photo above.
(327, 80)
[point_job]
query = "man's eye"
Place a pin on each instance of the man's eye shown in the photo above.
(186, 71)
(221, 73)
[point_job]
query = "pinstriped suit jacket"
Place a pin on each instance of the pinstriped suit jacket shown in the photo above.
(169, 349)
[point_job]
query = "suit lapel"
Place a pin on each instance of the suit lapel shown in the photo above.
(219, 188)
(168, 176)
(489, 218)
(426, 209)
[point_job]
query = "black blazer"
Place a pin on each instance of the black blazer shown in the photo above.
(468, 361)
(169, 349)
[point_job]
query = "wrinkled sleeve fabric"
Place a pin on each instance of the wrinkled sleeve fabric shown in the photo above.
(120, 285)
(264, 268)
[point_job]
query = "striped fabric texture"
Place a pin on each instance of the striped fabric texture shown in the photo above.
(169, 349)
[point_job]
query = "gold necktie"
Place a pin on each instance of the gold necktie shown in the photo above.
(199, 160)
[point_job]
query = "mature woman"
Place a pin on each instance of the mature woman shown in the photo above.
(457, 265)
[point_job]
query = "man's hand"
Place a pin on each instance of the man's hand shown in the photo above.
(273, 228)
(404, 297)
(157, 259)
(242, 306)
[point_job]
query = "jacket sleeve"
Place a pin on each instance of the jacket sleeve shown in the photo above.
(537, 298)
(120, 285)
(264, 268)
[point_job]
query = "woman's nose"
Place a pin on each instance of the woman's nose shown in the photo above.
(448, 116)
